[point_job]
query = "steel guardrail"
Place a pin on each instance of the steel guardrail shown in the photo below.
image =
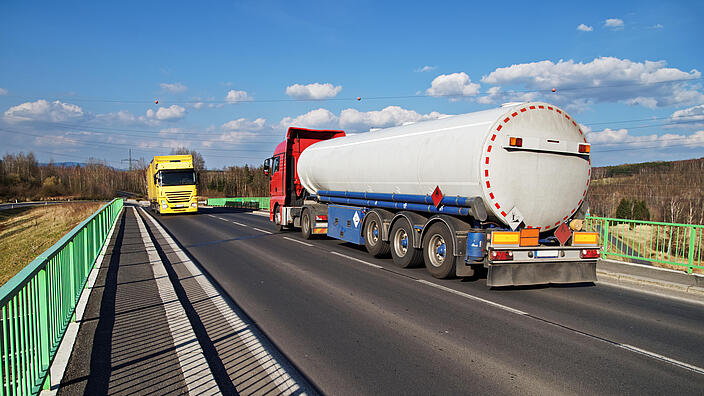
(650, 242)
(262, 201)
(37, 304)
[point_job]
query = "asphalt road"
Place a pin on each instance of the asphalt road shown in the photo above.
(358, 325)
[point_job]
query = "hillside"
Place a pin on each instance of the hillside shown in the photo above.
(672, 191)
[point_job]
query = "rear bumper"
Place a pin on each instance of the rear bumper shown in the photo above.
(520, 274)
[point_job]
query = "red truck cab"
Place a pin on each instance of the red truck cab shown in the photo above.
(285, 187)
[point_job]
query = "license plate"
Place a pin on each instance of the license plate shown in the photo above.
(546, 253)
(179, 206)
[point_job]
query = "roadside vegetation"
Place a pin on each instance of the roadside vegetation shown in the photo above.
(658, 191)
(28, 231)
(671, 192)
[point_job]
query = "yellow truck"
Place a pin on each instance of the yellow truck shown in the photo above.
(171, 184)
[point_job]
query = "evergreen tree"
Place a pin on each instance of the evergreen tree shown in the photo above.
(624, 210)
(640, 211)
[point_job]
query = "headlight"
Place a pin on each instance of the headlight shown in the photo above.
(164, 206)
(163, 201)
(194, 204)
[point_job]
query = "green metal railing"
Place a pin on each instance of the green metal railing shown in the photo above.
(262, 201)
(38, 303)
(649, 241)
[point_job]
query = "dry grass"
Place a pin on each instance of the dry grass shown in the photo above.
(26, 232)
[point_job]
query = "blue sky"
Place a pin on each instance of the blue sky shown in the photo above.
(79, 80)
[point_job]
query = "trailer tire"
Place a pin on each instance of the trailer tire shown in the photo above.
(306, 228)
(401, 242)
(438, 248)
(372, 236)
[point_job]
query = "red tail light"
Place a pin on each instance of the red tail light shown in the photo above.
(321, 218)
(584, 148)
(516, 142)
(501, 255)
(589, 253)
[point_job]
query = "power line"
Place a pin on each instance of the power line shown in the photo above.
(355, 99)
(128, 145)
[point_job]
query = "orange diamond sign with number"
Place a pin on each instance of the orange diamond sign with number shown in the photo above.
(437, 196)
(563, 233)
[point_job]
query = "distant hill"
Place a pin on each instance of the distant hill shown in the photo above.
(673, 191)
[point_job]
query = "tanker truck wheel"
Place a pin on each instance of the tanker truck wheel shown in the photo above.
(438, 245)
(277, 219)
(306, 228)
(372, 236)
(402, 250)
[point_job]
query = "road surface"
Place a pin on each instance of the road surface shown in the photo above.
(358, 325)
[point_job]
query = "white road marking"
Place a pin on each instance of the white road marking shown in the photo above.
(356, 259)
(471, 297)
(627, 347)
(260, 230)
(259, 213)
(654, 355)
(278, 373)
(296, 240)
(231, 221)
(189, 352)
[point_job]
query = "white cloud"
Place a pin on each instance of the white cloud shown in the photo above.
(313, 91)
(689, 118)
(657, 26)
(235, 96)
(613, 139)
(171, 113)
(318, 118)
(198, 105)
(614, 23)
(173, 88)
(458, 84)
(3, 91)
(584, 28)
(244, 124)
(45, 111)
(495, 94)
(123, 117)
(352, 120)
(605, 79)
(241, 129)
(425, 68)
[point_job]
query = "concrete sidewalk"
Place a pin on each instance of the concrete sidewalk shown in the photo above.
(155, 324)
(651, 279)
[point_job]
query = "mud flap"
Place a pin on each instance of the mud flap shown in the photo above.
(540, 273)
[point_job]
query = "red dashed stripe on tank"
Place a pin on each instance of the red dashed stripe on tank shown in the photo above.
(493, 138)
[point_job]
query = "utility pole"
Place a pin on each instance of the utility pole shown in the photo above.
(129, 160)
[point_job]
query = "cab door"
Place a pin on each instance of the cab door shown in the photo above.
(276, 187)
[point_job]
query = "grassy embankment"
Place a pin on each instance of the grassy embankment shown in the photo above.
(27, 232)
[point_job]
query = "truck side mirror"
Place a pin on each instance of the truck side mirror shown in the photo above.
(267, 165)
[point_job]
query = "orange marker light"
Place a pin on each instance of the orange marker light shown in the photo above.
(584, 148)
(516, 142)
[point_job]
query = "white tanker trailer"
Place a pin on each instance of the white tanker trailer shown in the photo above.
(493, 189)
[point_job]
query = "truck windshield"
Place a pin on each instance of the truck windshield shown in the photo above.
(177, 178)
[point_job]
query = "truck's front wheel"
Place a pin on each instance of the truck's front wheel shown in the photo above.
(438, 248)
(372, 236)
